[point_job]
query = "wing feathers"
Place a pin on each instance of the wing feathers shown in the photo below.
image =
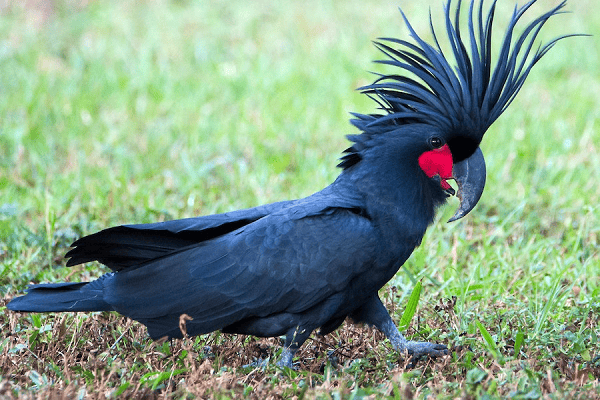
(127, 246)
(275, 265)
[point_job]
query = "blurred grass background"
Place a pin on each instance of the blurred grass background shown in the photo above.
(128, 112)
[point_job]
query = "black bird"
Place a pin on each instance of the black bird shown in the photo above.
(291, 267)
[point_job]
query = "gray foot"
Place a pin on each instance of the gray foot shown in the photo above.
(418, 350)
(374, 313)
(286, 358)
(260, 363)
(284, 361)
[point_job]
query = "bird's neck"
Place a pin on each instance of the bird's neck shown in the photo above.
(403, 208)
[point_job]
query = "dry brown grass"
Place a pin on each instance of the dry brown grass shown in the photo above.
(214, 365)
(96, 354)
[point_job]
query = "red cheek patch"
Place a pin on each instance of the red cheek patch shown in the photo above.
(438, 162)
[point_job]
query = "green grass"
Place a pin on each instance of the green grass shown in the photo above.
(117, 112)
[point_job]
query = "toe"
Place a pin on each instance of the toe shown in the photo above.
(420, 349)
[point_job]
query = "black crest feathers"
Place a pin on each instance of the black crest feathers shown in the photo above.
(465, 98)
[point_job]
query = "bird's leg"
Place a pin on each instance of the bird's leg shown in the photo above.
(374, 313)
(293, 340)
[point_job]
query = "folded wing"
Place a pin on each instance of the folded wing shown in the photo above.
(287, 268)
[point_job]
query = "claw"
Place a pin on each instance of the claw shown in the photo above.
(285, 361)
(261, 363)
(418, 350)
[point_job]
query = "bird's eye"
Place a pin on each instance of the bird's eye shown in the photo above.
(436, 142)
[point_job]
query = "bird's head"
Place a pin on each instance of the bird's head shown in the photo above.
(449, 107)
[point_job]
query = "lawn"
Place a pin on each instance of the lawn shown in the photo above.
(120, 112)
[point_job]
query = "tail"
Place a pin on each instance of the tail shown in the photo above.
(56, 297)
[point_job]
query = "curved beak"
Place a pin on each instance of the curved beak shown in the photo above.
(469, 175)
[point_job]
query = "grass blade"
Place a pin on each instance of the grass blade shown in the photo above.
(491, 344)
(519, 343)
(411, 307)
(543, 316)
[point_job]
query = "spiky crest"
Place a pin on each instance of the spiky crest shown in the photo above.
(466, 98)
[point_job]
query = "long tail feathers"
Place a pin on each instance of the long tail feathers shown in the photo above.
(55, 297)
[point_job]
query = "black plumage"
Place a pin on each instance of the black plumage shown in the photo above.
(291, 267)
